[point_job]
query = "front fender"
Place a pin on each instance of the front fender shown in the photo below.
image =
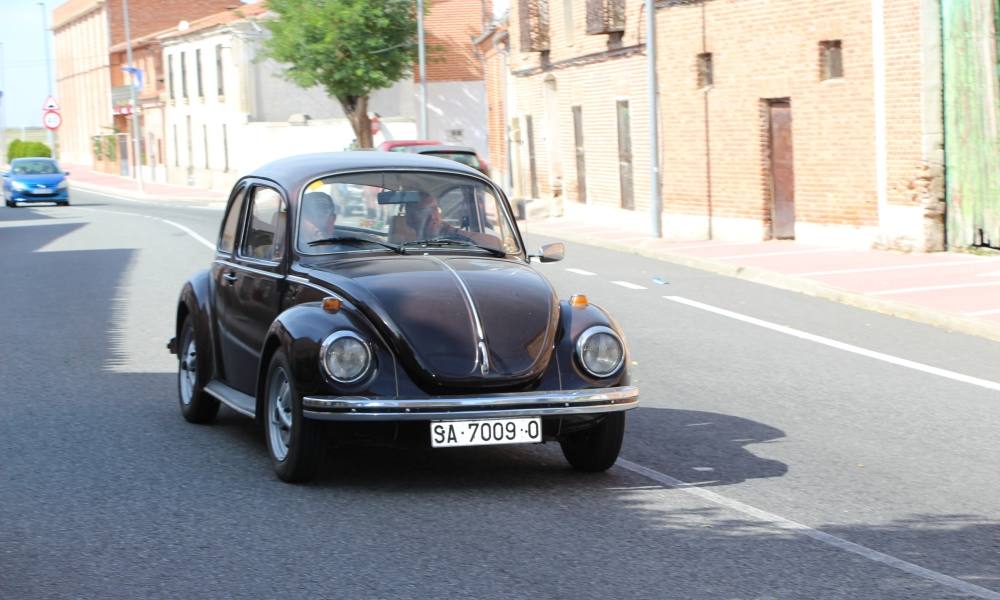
(573, 322)
(300, 332)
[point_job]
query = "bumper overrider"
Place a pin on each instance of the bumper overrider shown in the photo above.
(485, 406)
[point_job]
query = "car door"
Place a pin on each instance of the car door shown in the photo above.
(250, 285)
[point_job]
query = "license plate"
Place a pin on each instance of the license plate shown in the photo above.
(43, 192)
(445, 434)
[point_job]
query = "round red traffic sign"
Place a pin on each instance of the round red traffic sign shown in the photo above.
(51, 119)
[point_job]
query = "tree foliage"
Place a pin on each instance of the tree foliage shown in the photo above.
(25, 149)
(349, 47)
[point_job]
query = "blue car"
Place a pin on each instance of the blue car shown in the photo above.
(35, 180)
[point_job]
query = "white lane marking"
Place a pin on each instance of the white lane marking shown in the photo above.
(781, 523)
(629, 285)
(982, 313)
(182, 204)
(895, 360)
(188, 231)
(897, 267)
(41, 222)
(764, 254)
(580, 272)
(933, 288)
(183, 228)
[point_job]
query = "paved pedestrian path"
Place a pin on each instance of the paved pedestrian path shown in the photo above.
(83, 177)
(956, 290)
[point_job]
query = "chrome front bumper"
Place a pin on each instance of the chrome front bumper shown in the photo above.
(519, 404)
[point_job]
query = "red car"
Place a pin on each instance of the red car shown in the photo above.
(463, 154)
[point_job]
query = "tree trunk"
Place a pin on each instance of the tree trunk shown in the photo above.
(356, 109)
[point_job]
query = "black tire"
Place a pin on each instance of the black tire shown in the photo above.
(300, 459)
(11, 204)
(595, 449)
(199, 406)
(66, 203)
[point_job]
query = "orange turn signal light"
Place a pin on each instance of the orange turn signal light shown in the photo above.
(331, 304)
(578, 301)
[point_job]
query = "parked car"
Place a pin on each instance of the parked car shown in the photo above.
(431, 328)
(462, 154)
(35, 180)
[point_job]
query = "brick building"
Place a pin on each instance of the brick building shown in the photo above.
(89, 38)
(819, 121)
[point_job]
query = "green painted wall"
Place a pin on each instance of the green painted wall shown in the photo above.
(971, 45)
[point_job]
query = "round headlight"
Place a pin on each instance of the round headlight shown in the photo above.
(600, 351)
(345, 357)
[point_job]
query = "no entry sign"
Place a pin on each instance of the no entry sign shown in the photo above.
(51, 119)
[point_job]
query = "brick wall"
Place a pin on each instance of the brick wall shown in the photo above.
(149, 16)
(714, 140)
(449, 28)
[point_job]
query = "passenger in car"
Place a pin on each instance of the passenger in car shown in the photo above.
(319, 216)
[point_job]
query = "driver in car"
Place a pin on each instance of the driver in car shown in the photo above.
(319, 216)
(425, 219)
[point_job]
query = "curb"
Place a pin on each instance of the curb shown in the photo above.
(929, 316)
(136, 195)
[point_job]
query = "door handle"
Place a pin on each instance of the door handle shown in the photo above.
(230, 276)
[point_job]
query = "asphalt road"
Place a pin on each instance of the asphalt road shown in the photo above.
(818, 451)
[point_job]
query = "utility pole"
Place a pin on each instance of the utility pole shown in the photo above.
(422, 130)
(655, 201)
(48, 71)
(136, 135)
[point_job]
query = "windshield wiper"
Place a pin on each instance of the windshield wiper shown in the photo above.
(438, 242)
(354, 240)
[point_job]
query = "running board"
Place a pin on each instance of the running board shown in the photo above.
(244, 404)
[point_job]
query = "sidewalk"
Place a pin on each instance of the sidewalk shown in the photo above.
(82, 177)
(952, 290)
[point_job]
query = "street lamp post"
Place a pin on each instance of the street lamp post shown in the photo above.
(48, 69)
(136, 139)
(423, 70)
(655, 201)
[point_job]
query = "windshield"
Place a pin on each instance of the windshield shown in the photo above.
(404, 210)
(34, 167)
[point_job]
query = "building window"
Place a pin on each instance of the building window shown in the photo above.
(605, 16)
(184, 79)
(568, 20)
(831, 62)
(204, 134)
(534, 25)
(706, 75)
(197, 72)
(177, 149)
(218, 70)
(170, 75)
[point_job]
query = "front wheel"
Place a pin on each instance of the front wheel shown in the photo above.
(197, 405)
(597, 448)
(294, 442)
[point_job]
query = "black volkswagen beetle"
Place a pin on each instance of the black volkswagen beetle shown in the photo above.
(417, 322)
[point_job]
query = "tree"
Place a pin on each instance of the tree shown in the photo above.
(349, 47)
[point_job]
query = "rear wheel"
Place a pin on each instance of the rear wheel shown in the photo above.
(294, 442)
(597, 448)
(197, 406)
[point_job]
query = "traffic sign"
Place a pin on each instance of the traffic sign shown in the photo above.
(51, 104)
(52, 119)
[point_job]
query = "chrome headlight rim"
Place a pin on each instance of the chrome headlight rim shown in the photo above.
(338, 335)
(585, 337)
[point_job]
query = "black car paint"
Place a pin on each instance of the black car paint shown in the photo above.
(525, 314)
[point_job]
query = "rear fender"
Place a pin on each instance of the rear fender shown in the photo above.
(195, 302)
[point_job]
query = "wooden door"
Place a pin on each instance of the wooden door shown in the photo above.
(581, 168)
(625, 155)
(782, 170)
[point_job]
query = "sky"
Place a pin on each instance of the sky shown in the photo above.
(22, 72)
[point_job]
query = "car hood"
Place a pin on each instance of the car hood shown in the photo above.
(33, 180)
(454, 321)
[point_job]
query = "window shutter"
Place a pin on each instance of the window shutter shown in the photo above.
(605, 16)
(534, 22)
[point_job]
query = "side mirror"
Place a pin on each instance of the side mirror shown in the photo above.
(550, 252)
(65, 172)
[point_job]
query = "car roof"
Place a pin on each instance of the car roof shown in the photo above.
(294, 172)
(444, 148)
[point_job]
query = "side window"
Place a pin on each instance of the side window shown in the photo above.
(229, 227)
(264, 237)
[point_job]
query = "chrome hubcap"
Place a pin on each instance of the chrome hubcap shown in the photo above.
(188, 373)
(279, 414)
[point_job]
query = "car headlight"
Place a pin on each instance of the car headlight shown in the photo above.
(17, 185)
(600, 351)
(345, 357)
(62, 185)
